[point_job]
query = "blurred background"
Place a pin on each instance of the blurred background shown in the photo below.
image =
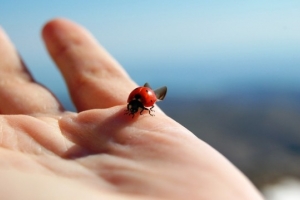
(232, 70)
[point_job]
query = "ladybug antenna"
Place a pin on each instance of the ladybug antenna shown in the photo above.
(147, 85)
(160, 93)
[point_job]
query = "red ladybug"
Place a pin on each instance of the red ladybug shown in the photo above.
(143, 97)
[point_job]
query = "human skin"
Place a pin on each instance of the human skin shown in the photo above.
(98, 153)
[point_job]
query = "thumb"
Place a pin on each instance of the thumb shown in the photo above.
(109, 130)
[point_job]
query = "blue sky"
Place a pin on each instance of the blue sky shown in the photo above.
(204, 47)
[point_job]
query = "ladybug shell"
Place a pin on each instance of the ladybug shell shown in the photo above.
(144, 94)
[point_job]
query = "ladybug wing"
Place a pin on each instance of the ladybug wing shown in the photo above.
(160, 93)
(147, 85)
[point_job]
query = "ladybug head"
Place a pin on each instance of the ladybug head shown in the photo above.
(134, 105)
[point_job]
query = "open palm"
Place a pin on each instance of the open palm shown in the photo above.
(98, 153)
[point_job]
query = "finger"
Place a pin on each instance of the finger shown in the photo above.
(99, 130)
(19, 94)
(110, 131)
(94, 78)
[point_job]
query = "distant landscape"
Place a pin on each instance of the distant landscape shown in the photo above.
(257, 130)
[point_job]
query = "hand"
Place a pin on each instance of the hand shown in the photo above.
(98, 153)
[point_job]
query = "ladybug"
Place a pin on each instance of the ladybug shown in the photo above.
(143, 97)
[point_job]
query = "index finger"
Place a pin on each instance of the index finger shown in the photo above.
(94, 78)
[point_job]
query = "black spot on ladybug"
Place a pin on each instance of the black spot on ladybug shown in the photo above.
(137, 96)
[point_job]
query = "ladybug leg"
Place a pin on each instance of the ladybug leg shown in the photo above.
(129, 110)
(143, 108)
(151, 110)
